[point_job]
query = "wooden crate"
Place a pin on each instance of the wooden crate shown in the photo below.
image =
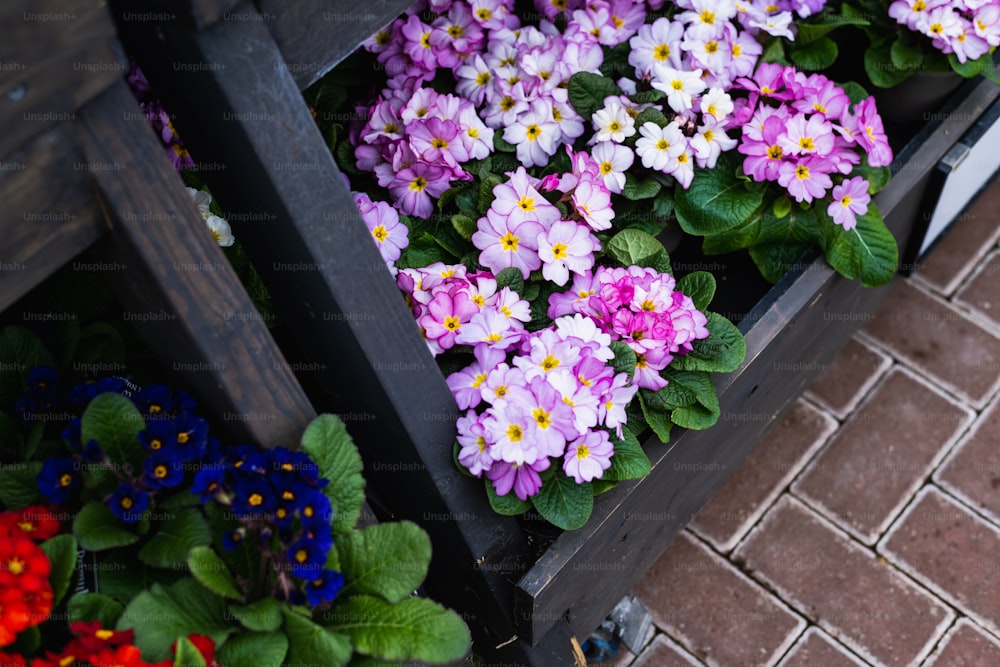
(234, 84)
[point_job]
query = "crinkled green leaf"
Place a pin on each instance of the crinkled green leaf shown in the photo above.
(722, 352)
(906, 53)
(327, 442)
(867, 253)
(464, 225)
(185, 529)
(212, 572)
(982, 65)
(94, 607)
(264, 615)
(879, 67)
(814, 56)
(511, 277)
(632, 246)
(61, 551)
(187, 654)
(658, 420)
(388, 560)
(700, 286)
(587, 92)
(114, 422)
(628, 461)
(509, 505)
(97, 528)
(311, 644)
(19, 484)
(20, 352)
(774, 260)
(625, 359)
(718, 200)
(563, 502)
(254, 649)
(639, 188)
(650, 115)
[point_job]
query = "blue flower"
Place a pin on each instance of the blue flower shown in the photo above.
(42, 381)
(253, 497)
(92, 452)
(128, 503)
(25, 408)
(315, 510)
(247, 459)
(208, 481)
(58, 478)
(155, 399)
(82, 394)
(163, 470)
(71, 434)
(307, 558)
(158, 434)
(324, 588)
(233, 539)
(192, 433)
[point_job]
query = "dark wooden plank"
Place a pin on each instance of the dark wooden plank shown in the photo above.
(196, 13)
(49, 214)
(181, 291)
(802, 322)
(290, 209)
(343, 24)
(56, 55)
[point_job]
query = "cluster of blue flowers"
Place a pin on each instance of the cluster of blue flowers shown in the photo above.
(277, 495)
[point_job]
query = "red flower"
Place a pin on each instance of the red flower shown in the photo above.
(125, 655)
(90, 636)
(12, 660)
(15, 615)
(40, 522)
(205, 646)
(25, 591)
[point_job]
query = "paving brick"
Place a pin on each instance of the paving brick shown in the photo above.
(958, 251)
(713, 610)
(950, 550)
(815, 648)
(966, 645)
(940, 341)
(972, 471)
(882, 454)
(982, 293)
(780, 455)
(848, 377)
(663, 652)
(842, 587)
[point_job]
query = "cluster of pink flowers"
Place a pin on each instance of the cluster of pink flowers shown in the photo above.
(391, 236)
(454, 307)
(640, 307)
(416, 141)
(524, 230)
(547, 403)
(967, 28)
(802, 131)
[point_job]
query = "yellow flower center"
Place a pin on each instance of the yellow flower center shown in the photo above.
(533, 132)
(582, 452)
(481, 443)
(15, 565)
(806, 144)
(514, 433)
(425, 40)
(66, 479)
(439, 143)
(255, 499)
(481, 378)
(507, 103)
(737, 50)
(380, 233)
(549, 362)
(845, 201)
(559, 250)
(484, 14)
(509, 242)
(160, 471)
(418, 184)
(711, 47)
(126, 503)
(526, 203)
(482, 78)
(183, 437)
(455, 31)
(615, 126)
(452, 323)
(663, 145)
(661, 52)
(707, 17)
(677, 84)
(542, 418)
(606, 168)
(774, 152)
(802, 172)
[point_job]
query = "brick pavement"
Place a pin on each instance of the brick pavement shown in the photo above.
(865, 528)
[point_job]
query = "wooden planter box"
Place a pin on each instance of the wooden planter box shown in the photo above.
(232, 75)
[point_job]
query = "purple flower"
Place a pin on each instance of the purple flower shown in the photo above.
(553, 418)
(518, 201)
(764, 156)
(805, 179)
(505, 244)
(588, 457)
(414, 186)
(871, 134)
(513, 432)
(850, 199)
(382, 220)
(807, 136)
(474, 452)
(465, 384)
(523, 479)
(446, 313)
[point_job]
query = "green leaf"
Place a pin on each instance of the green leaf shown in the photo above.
(718, 200)
(663, 203)
(650, 115)
(511, 277)
(867, 253)
(636, 188)
(799, 227)
(628, 461)
(311, 644)
(879, 67)
(27, 642)
(187, 654)
(722, 352)
(414, 629)
(563, 502)
(486, 196)
(982, 65)
(782, 207)
(97, 528)
(388, 560)
(705, 411)
(502, 146)
(254, 649)
(212, 572)
(877, 177)
(184, 530)
(740, 238)
(815, 56)
(774, 52)
(94, 607)
(587, 92)
(625, 359)
(856, 93)
(163, 614)
(632, 246)
(264, 615)
(61, 551)
(695, 417)
(775, 259)
(906, 53)
(345, 158)
(100, 343)
(114, 422)
(464, 225)
(648, 96)
(327, 442)
(20, 352)
(509, 505)
(19, 484)
(658, 420)
(700, 286)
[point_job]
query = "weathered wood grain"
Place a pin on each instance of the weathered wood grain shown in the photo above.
(49, 214)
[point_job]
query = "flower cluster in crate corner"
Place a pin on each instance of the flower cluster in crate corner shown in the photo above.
(968, 28)
(240, 543)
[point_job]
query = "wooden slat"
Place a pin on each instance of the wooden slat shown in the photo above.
(343, 24)
(56, 55)
(196, 13)
(792, 325)
(49, 213)
(290, 209)
(181, 291)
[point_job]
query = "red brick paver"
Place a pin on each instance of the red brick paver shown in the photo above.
(972, 471)
(763, 476)
(879, 458)
(982, 293)
(663, 652)
(713, 610)
(848, 377)
(966, 645)
(817, 649)
(952, 551)
(811, 565)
